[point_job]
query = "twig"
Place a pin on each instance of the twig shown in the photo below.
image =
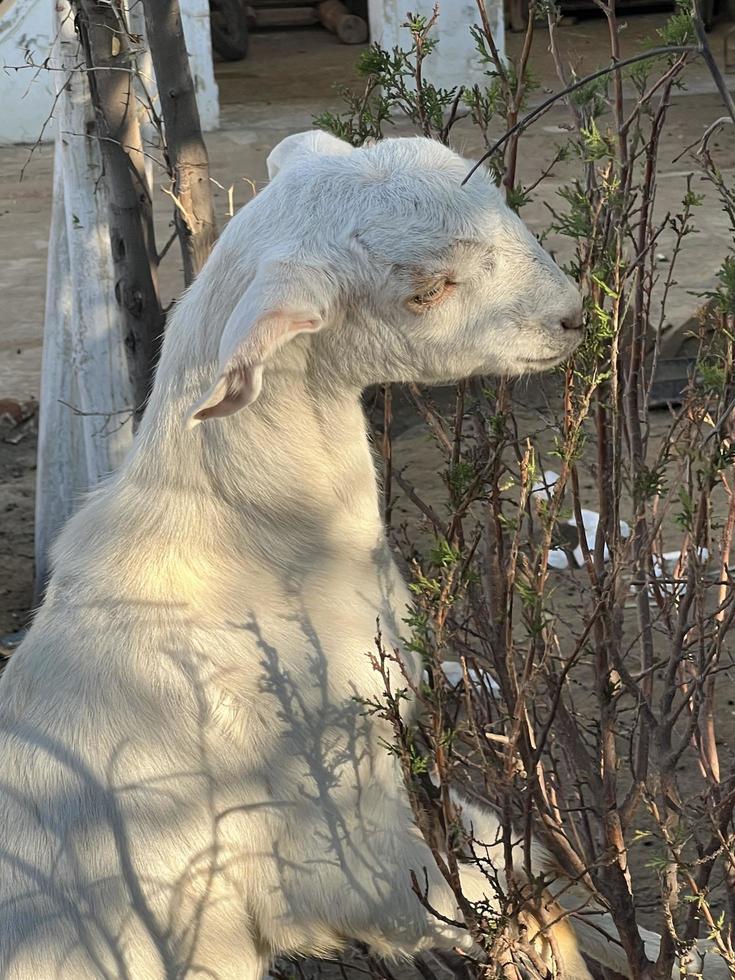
(548, 103)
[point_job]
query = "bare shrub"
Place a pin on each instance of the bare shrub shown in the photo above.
(589, 704)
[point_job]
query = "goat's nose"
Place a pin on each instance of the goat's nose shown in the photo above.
(573, 321)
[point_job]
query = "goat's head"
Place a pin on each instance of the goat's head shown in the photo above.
(397, 270)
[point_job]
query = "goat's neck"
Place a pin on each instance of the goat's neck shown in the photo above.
(287, 481)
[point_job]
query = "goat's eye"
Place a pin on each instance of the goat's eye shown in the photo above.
(428, 297)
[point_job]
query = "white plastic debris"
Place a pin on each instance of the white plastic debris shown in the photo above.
(665, 568)
(452, 672)
(557, 559)
(548, 484)
(454, 675)
(590, 522)
(667, 563)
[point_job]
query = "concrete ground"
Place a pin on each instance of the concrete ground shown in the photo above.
(288, 78)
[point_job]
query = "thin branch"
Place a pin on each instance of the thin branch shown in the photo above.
(548, 103)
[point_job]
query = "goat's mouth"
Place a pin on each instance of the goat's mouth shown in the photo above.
(537, 363)
(543, 363)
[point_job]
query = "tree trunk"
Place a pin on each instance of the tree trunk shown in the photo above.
(85, 398)
(146, 89)
(105, 41)
(186, 152)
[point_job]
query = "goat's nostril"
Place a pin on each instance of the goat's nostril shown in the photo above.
(572, 322)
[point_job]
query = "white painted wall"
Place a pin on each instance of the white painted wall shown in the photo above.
(26, 95)
(195, 18)
(454, 62)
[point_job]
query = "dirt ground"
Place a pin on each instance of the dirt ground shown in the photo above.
(17, 492)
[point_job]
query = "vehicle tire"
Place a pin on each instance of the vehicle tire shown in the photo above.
(229, 25)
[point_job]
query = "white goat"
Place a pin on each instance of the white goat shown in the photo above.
(188, 786)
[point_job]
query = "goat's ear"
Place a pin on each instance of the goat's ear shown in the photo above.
(299, 146)
(273, 311)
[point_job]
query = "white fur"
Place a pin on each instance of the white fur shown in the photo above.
(188, 785)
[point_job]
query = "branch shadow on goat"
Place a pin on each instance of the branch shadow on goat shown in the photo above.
(136, 849)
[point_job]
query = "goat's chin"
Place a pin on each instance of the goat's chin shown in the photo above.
(512, 367)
